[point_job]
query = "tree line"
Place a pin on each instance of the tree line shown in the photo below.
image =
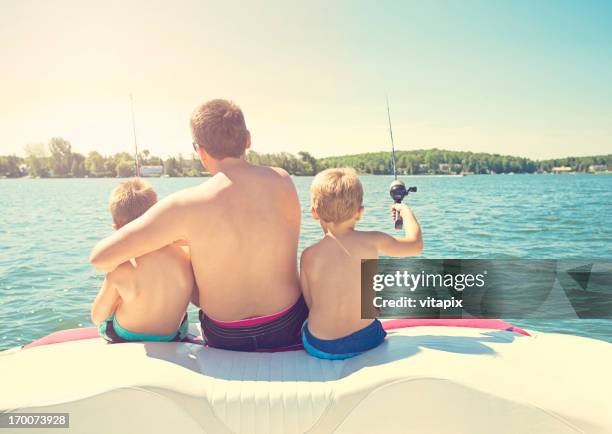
(439, 161)
(58, 160)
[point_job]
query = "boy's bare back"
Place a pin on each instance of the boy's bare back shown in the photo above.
(331, 273)
(155, 292)
(150, 293)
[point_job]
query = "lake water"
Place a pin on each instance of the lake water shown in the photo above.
(48, 227)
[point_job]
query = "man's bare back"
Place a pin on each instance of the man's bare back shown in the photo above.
(244, 246)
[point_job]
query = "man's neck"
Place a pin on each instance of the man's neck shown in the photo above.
(228, 165)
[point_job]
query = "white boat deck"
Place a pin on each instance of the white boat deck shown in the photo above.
(421, 380)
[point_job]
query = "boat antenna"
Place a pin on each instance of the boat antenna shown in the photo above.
(134, 131)
(392, 144)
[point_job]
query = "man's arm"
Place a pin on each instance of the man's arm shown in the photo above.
(412, 242)
(106, 302)
(161, 225)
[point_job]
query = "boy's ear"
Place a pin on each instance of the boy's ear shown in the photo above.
(359, 212)
(315, 214)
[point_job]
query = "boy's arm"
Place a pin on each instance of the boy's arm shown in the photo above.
(412, 242)
(161, 225)
(303, 278)
(106, 302)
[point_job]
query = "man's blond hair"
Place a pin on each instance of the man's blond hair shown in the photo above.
(336, 194)
(218, 126)
(130, 199)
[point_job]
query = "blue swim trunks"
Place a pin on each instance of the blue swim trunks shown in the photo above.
(343, 348)
(113, 332)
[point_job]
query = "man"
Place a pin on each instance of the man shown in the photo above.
(242, 229)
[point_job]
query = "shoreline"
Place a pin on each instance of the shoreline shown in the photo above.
(424, 175)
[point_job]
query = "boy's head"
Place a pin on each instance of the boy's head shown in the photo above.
(218, 128)
(336, 195)
(129, 200)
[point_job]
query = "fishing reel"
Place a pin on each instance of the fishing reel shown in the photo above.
(398, 192)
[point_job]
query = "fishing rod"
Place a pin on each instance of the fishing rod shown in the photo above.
(392, 143)
(398, 190)
(134, 130)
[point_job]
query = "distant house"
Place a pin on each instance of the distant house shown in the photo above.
(444, 167)
(598, 168)
(561, 169)
(151, 170)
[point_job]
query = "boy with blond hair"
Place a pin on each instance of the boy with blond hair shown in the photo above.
(144, 299)
(331, 269)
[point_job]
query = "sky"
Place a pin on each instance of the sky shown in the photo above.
(514, 77)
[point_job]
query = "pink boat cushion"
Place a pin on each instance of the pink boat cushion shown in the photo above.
(494, 324)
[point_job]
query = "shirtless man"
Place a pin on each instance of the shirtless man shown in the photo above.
(242, 228)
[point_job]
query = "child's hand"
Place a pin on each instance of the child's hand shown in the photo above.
(411, 244)
(401, 209)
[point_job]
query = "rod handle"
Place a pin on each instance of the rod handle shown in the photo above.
(399, 222)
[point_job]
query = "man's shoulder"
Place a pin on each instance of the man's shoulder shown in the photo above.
(198, 194)
(272, 179)
(280, 171)
(275, 173)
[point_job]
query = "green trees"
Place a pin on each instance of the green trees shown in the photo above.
(94, 164)
(306, 164)
(58, 160)
(77, 166)
(436, 161)
(171, 167)
(125, 168)
(61, 156)
(309, 163)
(10, 166)
(37, 160)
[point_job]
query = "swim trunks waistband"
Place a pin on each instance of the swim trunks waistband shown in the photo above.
(112, 331)
(345, 347)
(249, 322)
(270, 332)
